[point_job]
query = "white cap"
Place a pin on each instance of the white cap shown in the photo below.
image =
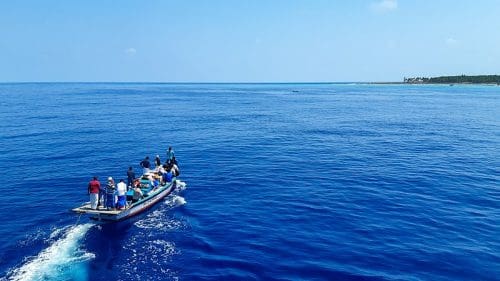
(110, 179)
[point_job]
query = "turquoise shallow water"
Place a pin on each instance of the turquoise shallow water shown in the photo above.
(284, 181)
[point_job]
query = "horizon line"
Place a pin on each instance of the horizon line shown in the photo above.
(158, 82)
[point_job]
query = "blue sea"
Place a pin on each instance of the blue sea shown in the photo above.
(284, 181)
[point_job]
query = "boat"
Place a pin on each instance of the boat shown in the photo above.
(151, 196)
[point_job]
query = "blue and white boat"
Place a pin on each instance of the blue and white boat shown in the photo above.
(152, 195)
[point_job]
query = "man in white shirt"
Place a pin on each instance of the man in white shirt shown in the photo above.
(121, 190)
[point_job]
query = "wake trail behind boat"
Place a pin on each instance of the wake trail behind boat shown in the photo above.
(181, 185)
(178, 200)
(62, 260)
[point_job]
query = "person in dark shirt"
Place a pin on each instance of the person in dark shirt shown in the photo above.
(175, 170)
(145, 165)
(157, 161)
(130, 177)
(110, 194)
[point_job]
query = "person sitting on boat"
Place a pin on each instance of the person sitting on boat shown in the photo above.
(146, 182)
(137, 194)
(121, 191)
(110, 194)
(130, 176)
(158, 175)
(167, 177)
(161, 169)
(137, 183)
(170, 153)
(93, 189)
(175, 170)
(155, 180)
(145, 165)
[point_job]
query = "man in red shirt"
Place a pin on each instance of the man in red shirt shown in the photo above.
(93, 189)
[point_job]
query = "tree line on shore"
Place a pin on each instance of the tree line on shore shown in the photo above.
(459, 79)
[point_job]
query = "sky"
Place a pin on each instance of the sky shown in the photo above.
(246, 40)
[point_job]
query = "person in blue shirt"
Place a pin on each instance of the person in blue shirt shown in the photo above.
(167, 177)
(170, 153)
(156, 183)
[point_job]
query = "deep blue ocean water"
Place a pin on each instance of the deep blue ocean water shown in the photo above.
(284, 181)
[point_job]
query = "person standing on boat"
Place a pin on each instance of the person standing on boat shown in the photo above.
(102, 196)
(173, 161)
(121, 190)
(110, 194)
(157, 162)
(93, 190)
(130, 176)
(170, 154)
(145, 165)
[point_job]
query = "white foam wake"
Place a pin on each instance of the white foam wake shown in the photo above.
(181, 185)
(160, 222)
(178, 200)
(60, 261)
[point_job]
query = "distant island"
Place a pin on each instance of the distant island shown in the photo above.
(459, 79)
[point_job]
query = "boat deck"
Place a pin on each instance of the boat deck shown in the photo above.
(150, 197)
(100, 210)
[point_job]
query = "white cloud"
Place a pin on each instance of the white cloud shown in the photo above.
(384, 6)
(130, 51)
(450, 41)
